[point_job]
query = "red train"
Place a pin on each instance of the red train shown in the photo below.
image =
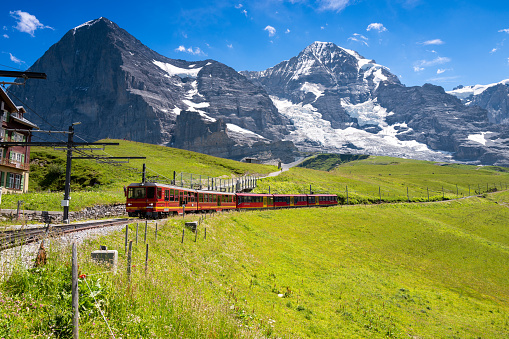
(152, 200)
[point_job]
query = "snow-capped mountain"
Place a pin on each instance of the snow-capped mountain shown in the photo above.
(118, 88)
(493, 97)
(325, 98)
(341, 101)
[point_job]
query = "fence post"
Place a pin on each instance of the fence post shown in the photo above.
(156, 231)
(183, 230)
(205, 236)
(75, 292)
(136, 233)
(126, 236)
(146, 225)
(195, 233)
(457, 190)
(146, 260)
(129, 260)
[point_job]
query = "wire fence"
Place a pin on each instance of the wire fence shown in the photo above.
(203, 182)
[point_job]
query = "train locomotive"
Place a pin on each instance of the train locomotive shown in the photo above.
(154, 200)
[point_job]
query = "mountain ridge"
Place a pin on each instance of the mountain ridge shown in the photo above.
(325, 98)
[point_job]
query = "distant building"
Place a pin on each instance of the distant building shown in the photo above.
(251, 160)
(14, 160)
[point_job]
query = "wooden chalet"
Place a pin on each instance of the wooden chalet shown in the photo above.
(14, 160)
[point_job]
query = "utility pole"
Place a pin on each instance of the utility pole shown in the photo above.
(67, 188)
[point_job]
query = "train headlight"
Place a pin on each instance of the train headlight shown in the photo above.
(151, 204)
(129, 204)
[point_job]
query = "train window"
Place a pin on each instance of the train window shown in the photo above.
(166, 195)
(150, 192)
(136, 193)
(159, 193)
(172, 192)
(200, 197)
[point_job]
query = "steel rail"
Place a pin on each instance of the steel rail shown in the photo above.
(19, 237)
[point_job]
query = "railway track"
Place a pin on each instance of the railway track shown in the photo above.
(13, 238)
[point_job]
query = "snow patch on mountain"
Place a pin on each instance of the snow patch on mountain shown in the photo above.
(238, 129)
(172, 70)
(366, 113)
(88, 23)
(316, 89)
(465, 92)
(310, 127)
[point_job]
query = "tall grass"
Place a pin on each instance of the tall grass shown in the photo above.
(376, 271)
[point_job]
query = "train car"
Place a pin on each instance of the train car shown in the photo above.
(322, 200)
(290, 200)
(254, 201)
(152, 200)
(216, 201)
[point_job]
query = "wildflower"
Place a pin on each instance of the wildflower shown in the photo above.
(83, 276)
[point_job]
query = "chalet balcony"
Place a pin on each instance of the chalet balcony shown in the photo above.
(14, 164)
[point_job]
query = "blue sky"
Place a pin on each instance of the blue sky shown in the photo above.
(447, 42)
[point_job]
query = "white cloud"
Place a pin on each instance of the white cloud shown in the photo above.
(6, 36)
(359, 38)
(287, 31)
(333, 5)
(418, 69)
(493, 50)
(427, 63)
(271, 30)
(190, 50)
(433, 42)
(504, 31)
(443, 70)
(239, 6)
(376, 26)
(229, 45)
(27, 23)
(444, 79)
(245, 12)
(16, 60)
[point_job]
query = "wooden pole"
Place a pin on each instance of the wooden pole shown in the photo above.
(75, 292)
(146, 260)
(129, 260)
(195, 233)
(146, 225)
(205, 236)
(136, 233)
(156, 231)
(183, 230)
(126, 236)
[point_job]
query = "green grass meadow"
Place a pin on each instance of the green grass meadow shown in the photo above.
(424, 270)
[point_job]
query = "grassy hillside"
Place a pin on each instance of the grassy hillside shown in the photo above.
(387, 179)
(368, 271)
(327, 162)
